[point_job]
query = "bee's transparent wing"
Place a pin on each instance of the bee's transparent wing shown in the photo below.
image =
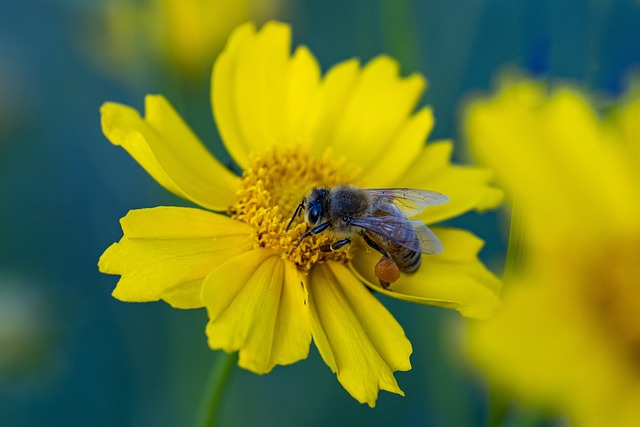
(402, 231)
(429, 242)
(408, 201)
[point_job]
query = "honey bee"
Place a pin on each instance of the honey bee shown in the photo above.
(380, 216)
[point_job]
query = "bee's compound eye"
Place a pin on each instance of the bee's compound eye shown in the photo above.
(313, 214)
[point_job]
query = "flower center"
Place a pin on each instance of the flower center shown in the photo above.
(613, 293)
(273, 186)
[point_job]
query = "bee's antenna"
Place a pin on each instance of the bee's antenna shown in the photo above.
(296, 212)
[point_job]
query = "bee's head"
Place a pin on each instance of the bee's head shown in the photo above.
(316, 206)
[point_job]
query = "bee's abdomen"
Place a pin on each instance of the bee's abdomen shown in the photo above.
(406, 259)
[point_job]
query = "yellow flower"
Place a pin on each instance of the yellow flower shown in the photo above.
(291, 129)
(185, 34)
(568, 334)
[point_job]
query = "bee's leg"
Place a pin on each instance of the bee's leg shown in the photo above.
(315, 230)
(375, 246)
(334, 246)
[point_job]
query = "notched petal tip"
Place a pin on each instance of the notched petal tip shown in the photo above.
(264, 96)
(390, 67)
(117, 121)
(356, 336)
(166, 252)
(164, 145)
(256, 306)
(105, 262)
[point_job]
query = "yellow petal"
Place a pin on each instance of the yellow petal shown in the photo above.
(356, 336)
(402, 150)
(374, 129)
(302, 86)
(166, 253)
(527, 346)
(223, 95)
(547, 149)
(625, 128)
(257, 306)
(628, 121)
(170, 152)
(543, 356)
(454, 279)
(328, 105)
(468, 187)
(263, 96)
(260, 93)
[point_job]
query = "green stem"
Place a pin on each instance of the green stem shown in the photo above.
(500, 405)
(220, 374)
(400, 32)
(515, 249)
(499, 408)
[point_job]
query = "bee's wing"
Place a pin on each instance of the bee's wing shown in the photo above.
(399, 230)
(429, 242)
(408, 201)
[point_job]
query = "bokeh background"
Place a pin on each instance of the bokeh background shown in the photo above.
(71, 355)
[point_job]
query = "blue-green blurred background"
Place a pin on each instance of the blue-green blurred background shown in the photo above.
(71, 355)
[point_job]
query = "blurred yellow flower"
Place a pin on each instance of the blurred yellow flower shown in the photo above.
(291, 129)
(184, 34)
(568, 334)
